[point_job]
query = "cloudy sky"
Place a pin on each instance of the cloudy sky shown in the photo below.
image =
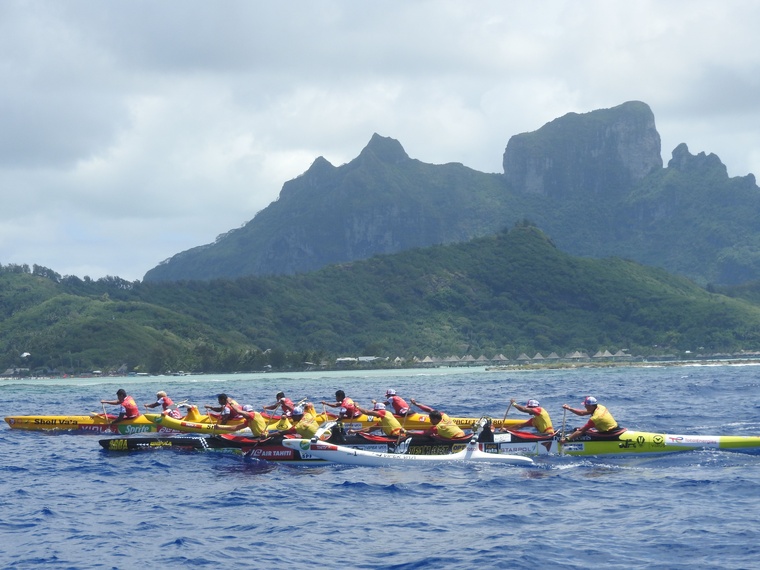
(131, 131)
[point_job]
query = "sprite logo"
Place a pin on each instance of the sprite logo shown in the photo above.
(127, 429)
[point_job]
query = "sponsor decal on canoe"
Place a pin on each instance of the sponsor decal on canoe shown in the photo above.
(436, 449)
(127, 429)
(99, 428)
(271, 453)
(701, 440)
(56, 422)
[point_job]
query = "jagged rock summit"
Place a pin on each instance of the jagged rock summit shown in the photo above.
(599, 153)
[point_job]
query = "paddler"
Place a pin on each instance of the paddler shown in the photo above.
(601, 419)
(255, 421)
(167, 405)
(283, 402)
(348, 409)
(388, 422)
(129, 409)
(443, 425)
(400, 407)
(228, 409)
(540, 421)
(306, 424)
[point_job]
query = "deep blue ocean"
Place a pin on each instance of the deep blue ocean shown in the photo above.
(69, 504)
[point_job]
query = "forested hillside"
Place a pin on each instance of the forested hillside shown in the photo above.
(508, 293)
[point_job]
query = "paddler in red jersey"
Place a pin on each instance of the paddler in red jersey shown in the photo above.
(167, 405)
(228, 409)
(443, 425)
(388, 422)
(348, 409)
(400, 407)
(129, 409)
(540, 421)
(601, 419)
(286, 404)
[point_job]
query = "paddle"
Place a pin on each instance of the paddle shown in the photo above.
(505, 415)
(105, 414)
(562, 433)
(403, 427)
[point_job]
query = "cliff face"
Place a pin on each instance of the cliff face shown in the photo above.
(602, 153)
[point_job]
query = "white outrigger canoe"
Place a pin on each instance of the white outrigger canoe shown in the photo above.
(351, 456)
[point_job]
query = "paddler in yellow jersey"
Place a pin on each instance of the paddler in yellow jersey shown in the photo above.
(601, 419)
(388, 422)
(306, 424)
(255, 421)
(443, 425)
(540, 421)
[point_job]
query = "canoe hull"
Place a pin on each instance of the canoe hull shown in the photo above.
(93, 424)
(627, 443)
(273, 449)
(351, 456)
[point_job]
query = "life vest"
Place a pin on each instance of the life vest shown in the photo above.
(542, 422)
(287, 405)
(167, 403)
(351, 410)
(129, 407)
(307, 426)
(446, 428)
(602, 419)
(400, 407)
(257, 423)
(389, 423)
(283, 424)
(228, 413)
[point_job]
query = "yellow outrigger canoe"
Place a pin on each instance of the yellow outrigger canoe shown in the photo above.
(195, 422)
(206, 424)
(93, 423)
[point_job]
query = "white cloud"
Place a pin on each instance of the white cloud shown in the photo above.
(132, 131)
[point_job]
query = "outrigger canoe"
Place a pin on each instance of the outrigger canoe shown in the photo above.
(280, 448)
(202, 424)
(269, 449)
(621, 442)
(93, 423)
(273, 449)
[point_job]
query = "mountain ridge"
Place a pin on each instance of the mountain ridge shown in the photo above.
(595, 182)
